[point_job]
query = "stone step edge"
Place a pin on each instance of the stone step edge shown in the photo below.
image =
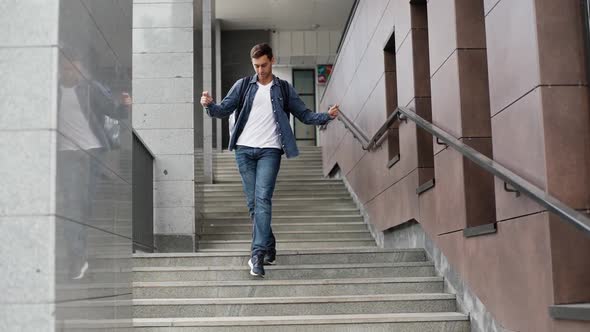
(283, 241)
(291, 232)
(279, 208)
(282, 267)
(291, 217)
(301, 320)
(312, 199)
(242, 250)
(291, 182)
(304, 224)
(287, 282)
(298, 299)
(326, 251)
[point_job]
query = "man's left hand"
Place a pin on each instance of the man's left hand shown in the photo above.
(126, 99)
(333, 111)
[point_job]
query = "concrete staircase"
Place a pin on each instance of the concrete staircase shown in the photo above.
(330, 276)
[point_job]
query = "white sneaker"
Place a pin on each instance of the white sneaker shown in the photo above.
(82, 272)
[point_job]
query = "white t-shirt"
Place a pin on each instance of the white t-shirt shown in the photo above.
(261, 129)
(74, 124)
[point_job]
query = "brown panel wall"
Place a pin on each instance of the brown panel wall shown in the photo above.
(517, 92)
(460, 105)
(541, 121)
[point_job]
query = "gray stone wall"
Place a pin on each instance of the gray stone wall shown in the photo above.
(163, 83)
(65, 175)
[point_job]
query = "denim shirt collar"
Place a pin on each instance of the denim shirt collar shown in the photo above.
(254, 79)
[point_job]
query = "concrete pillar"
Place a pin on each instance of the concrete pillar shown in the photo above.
(58, 169)
(27, 146)
(164, 96)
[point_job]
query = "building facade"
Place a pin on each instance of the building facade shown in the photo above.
(508, 79)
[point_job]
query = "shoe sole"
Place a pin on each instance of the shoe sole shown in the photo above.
(82, 272)
(252, 270)
(270, 263)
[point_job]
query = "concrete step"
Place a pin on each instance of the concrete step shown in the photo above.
(280, 272)
(237, 179)
(285, 288)
(90, 310)
(298, 182)
(302, 191)
(298, 168)
(290, 244)
(278, 306)
(279, 227)
(290, 235)
(303, 151)
(305, 165)
(310, 162)
(301, 156)
(301, 188)
(281, 202)
(284, 257)
(290, 185)
(279, 199)
(339, 212)
(404, 322)
(284, 171)
(284, 167)
(326, 199)
(279, 208)
(281, 184)
(233, 195)
(278, 219)
(77, 289)
(219, 208)
(281, 177)
(95, 325)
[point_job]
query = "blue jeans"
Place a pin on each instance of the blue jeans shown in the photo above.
(259, 168)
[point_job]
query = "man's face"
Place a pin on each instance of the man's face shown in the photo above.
(263, 66)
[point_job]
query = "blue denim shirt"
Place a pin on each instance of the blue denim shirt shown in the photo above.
(295, 106)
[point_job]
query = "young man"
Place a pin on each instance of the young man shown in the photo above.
(260, 136)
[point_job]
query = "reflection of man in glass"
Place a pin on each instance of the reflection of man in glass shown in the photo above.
(84, 106)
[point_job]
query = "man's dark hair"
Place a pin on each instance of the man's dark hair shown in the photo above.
(261, 50)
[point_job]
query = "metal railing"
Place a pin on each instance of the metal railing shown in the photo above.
(375, 141)
(519, 184)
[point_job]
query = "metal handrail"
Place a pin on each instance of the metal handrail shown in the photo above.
(537, 194)
(354, 129)
(361, 136)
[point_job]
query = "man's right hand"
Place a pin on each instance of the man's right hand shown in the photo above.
(206, 99)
